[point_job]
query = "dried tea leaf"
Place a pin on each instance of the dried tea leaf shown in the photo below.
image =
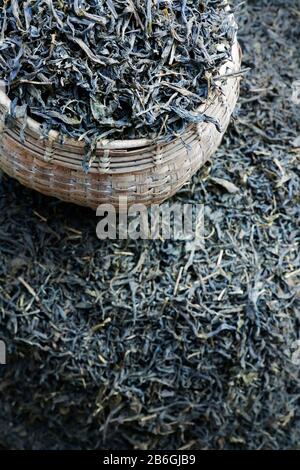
(230, 187)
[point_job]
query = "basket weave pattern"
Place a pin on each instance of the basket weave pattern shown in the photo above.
(140, 170)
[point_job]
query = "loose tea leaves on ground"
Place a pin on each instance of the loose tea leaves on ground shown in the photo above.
(112, 68)
(116, 345)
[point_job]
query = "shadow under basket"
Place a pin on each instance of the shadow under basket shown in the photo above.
(139, 170)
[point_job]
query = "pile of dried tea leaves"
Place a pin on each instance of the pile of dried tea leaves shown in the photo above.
(128, 345)
(113, 68)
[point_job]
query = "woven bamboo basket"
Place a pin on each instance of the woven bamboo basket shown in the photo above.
(142, 171)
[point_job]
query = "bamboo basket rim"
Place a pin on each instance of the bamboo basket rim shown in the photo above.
(106, 144)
